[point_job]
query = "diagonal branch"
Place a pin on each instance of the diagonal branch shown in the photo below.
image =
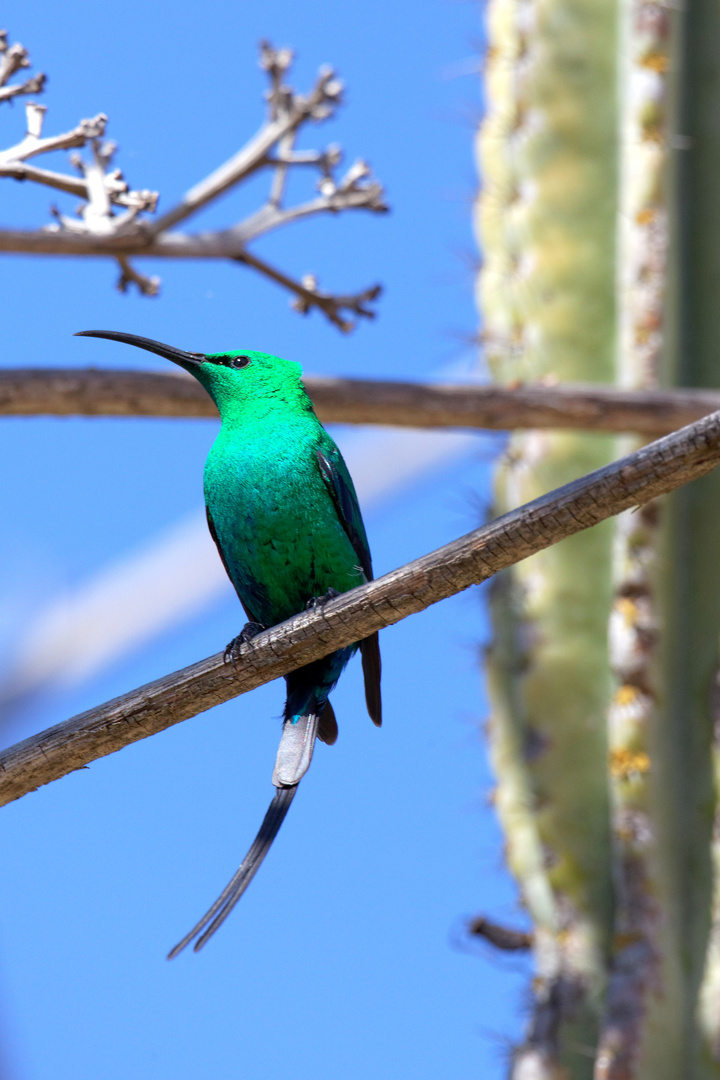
(92, 392)
(333, 200)
(291, 110)
(20, 170)
(654, 470)
(309, 295)
(34, 143)
(33, 85)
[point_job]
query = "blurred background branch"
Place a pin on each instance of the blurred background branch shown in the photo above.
(98, 229)
(93, 392)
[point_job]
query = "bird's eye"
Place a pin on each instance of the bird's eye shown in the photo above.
(239, 361)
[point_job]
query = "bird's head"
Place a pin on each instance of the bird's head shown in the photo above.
(236, 380)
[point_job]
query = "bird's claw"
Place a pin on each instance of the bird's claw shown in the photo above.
(248, 632)
(318, 601)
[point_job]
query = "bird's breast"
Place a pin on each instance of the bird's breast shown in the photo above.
(276, 524)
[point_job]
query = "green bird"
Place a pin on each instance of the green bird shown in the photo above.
(282, 510)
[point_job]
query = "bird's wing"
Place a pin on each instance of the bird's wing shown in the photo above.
(213, 532)
(339, 484)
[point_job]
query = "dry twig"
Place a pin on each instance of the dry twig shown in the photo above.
(501, 937)
(12, 59)
(99, 229)
(92, 392)
(655, 469)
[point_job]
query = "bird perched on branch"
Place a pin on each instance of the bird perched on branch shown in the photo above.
(282, 509)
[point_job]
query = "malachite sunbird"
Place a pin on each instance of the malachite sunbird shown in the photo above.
(283, 512)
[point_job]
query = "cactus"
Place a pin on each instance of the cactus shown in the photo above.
(546, 221)
(599, 159)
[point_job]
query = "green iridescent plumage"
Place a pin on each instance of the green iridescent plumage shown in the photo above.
(272, 514)
(283, 512)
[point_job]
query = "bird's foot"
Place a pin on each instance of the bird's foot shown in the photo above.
(248, 632)
(318, 601)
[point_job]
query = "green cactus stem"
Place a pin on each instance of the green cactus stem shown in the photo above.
(642, 1030)
(546, 223)
(606, 745)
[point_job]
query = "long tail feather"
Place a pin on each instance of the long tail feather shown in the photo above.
(293, 760)
(235, 888)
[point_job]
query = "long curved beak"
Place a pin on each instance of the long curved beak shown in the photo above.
(169, 352)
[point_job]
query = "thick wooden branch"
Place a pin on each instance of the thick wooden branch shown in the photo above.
(637, 478)
(90, 392)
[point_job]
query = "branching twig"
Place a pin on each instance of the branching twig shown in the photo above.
(148, 286)
(12, 59)
(309, 295)
(78, 392)
(651, 471)
(99, 229)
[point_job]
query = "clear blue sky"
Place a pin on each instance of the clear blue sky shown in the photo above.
(339, 961)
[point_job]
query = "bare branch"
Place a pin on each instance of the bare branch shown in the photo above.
(98, 230)
(223, 244)
(288, 111)
(147, 286)
(18, 170)
(92, 392)
(502, 937)
(116, 187)
(654, 470)
(34, 85)
(33, 143)
(12, 59)
(334, 200)
(309, 296)
(97, 185)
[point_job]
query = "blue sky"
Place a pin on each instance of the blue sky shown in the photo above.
(339, 961)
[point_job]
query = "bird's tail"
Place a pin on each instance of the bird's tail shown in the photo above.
(237, 885)
(295, 752)
(293, 760)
